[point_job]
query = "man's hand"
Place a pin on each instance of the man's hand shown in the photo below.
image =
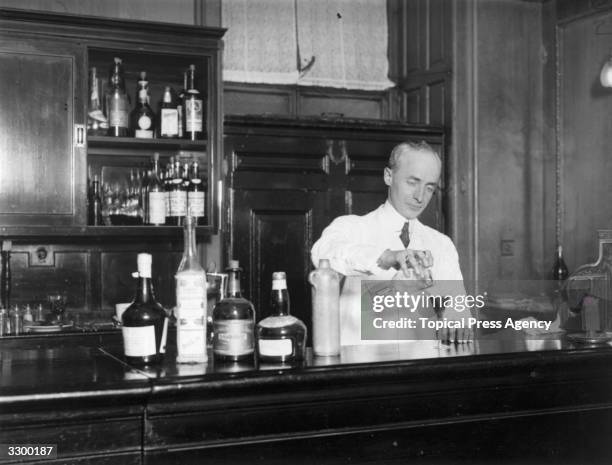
(418, 260)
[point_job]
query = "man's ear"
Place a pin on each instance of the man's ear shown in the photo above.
(388, 176)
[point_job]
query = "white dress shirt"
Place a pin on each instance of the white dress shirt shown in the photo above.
(353, 245)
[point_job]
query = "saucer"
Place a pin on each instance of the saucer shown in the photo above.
(43, 328)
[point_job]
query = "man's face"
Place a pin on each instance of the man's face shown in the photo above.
(413, 181)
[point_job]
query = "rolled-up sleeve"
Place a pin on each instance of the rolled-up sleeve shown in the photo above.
(344, 243)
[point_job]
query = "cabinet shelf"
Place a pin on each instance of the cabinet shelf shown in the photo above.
(100, 231)
(131, 143)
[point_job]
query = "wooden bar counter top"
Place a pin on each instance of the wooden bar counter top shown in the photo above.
(504, 398)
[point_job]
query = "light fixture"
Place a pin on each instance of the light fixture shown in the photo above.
(606, 73)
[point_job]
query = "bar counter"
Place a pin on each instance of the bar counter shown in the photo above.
(505, 398)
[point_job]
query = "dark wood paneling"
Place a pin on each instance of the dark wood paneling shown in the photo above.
(177, 11)
(585, 137)
(39, 77)
(254, 99)
(274, 232)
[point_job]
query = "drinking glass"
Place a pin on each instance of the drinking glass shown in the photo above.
(58, 306)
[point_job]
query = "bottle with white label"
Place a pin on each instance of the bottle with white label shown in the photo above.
(196, 197)
(142, 118)
(194, 108)
(234, 322)
(281, 338)
(157, 194)
(190, 309)
(168, 116)
(144, 322)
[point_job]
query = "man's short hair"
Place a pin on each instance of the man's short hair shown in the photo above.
(408, 146)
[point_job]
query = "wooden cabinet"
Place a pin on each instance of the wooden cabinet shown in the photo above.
(41, 166)
(43, 88)
(290, 178)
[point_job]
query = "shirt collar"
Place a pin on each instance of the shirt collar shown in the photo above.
(394, 221)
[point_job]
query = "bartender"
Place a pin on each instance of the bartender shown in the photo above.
(391, 243)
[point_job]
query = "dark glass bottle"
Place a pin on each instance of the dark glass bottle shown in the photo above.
(168, 116)
(178, 196)
(95, 204)
(168, 177)
(194, 108)
(196, 196)
(144, 323)
(181, 107)
(117, 102)
(281, 338)
(142, 118)
(233, 322)
(560, 271)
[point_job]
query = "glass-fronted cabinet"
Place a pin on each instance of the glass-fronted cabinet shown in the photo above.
(90, 104)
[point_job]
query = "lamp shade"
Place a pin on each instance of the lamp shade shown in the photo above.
(606, 73)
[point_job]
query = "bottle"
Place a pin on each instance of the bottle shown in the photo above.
(143, 199)
(325, 310)
(194, 109)
(97, 124)
(190, 302)
(281, 338)
(142, 118)
(168, 187)
(156, 195)
(181, 107)
(196, 197)
(95, 204)
(560, 271)
(117, 102)
(144, 322)
(178, 196)
(168, 116)
(16, 321)
(233, 322)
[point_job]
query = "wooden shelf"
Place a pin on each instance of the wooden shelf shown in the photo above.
(98, 231)
(131, 143)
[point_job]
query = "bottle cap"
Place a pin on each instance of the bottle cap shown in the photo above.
(234, 264)
(144, 264)
(279, 275)
(324, 263)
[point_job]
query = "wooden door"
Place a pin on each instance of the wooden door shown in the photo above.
(42, 181)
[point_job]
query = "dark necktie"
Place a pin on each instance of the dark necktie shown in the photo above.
(405, 234)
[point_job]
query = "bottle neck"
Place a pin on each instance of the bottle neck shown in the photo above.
(189, 237)
(144, 291)
(560, 252)
(233, 284)
(96, 188)
(280, 302)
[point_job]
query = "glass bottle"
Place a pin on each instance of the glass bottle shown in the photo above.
(190, 301)
(142, 118)
(144, 322)
(233, 321)
(560, 271)
(178, 196)
(97, 124)
(168, 187)
(281, 338)
(181, 107)
(168, 116)
(156, 195)
(117, 102)
(95, 204)
(196, 197)
(194, 109)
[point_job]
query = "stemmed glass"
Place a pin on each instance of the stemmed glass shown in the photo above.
(58, 307)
